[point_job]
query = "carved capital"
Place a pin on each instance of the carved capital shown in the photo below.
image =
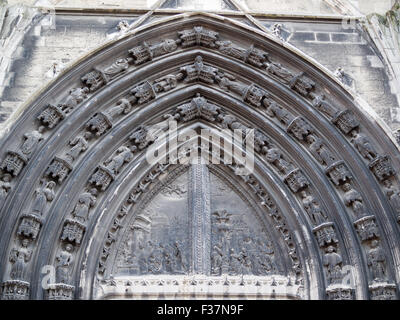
(383, 291)
(59, 168)
(338, 173)
(296, 180)
(382, 168)
(367, 228)
(339, 292)
(73, 231)
(30, 226)
(60, 291)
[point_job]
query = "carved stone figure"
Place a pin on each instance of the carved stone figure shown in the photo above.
(377, 262)
(123, 155)
(32, 140)
(364, 146)
(180, 265)
(281, 114)
(79, 144)
(319, 150)
(333, 263)
(216, 260)
(19, 259)
(275, 157)
(63, 261)
(277, 31)
(43, 194)
(5, 187)
(116, 68)
(85, 201)
(75, 97)
(282, 73)
(393, 195)
(147, 52)
(167, 83)
(353, 199)
(324, 106)
(313, 209)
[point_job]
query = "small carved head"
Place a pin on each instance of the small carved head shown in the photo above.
(51, 185)
(25, 242)
(69, 247)
(331, 249)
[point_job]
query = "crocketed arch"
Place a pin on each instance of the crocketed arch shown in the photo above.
(324, 180)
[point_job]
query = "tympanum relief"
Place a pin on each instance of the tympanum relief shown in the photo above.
(160, 239)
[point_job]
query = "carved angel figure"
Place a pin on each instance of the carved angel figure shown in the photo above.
(19, 258)
(76, 96)
(85, 202)
(43, 194)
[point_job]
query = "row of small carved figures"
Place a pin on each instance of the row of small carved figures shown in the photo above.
(202, 103)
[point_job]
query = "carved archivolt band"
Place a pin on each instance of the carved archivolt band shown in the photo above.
(198, 73)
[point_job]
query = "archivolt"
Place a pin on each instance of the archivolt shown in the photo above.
(325, 174)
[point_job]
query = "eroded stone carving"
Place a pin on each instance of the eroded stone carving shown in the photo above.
(15, 160)
(52, 114)
(325, 234)
(15, 290)
(98, 78)
(197, 108)
(199, 36)
(32, 221)
(313, 209)
(333, 263)
(199, 72)
(367, 228)
(352, 198)
(63, 262)
(19, 257)
(146, 52)
(5, 187)
(377, 262)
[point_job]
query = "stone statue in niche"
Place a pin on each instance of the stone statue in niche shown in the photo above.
(63, 262)
(320, 151)
(5, 187)
(333, 263)
(377, 262)
(19, 259)
(363, 145)
(313, 209)
(79, 144)
(85, 201)
(123, 154)
(353, 199)
(43, 194)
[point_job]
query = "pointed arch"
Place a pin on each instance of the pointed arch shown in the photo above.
(325, 174)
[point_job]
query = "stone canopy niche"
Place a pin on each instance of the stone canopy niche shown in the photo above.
(197, 231)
